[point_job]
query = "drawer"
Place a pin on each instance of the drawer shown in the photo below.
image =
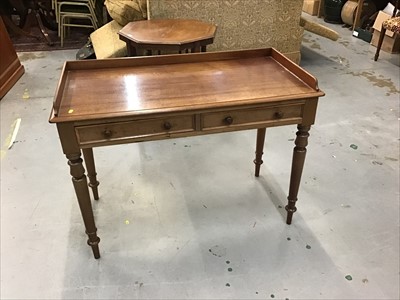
(252, 117)
(139, 129)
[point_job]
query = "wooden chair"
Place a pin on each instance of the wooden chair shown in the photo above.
(392, 24)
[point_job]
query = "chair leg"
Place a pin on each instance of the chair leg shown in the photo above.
(59, 26)
(94, 24)
(380, 41)
(68, 29)
(62, 30)
(57, 10)
(93, 13)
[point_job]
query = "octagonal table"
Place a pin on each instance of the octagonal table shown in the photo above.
(170, 35)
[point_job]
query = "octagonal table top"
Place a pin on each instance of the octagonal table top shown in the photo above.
(168, 31)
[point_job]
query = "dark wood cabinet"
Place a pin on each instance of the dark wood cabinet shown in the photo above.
(10, 66)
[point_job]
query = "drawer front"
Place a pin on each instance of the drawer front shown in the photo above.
(252, 117)
(139, 129)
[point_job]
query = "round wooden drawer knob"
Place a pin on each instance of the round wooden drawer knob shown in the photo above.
(107, 133)
(167, 125)
(228, 120)
(279, 115)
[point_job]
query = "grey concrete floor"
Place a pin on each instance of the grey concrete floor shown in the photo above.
(186, 218)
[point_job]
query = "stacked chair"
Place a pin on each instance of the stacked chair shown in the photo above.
(71, 13)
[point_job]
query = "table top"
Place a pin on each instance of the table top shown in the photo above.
(168, 31)
(160, 84)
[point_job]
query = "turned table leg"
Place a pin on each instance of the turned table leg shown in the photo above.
(259, 150)
(299, 155)
(130, 48)
(91, 171)
(196, 49)
(82, 193)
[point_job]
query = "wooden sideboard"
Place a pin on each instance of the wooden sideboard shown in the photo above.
(10, 66)
(118, 101)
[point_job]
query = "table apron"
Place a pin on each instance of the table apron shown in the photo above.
(189, 124)
(93, 136)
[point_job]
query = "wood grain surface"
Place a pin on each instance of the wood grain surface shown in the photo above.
(138, 85)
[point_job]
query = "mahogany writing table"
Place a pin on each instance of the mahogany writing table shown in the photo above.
(116, 101)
